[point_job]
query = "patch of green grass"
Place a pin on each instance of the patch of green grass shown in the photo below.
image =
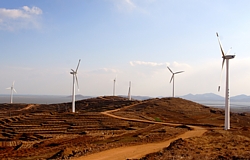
(157, 119)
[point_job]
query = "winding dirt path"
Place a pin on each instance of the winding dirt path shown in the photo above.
(138, 151)
(28, 107)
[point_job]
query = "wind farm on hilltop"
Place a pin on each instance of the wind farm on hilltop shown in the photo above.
(126, 126)
(124, 80)
(108, 124)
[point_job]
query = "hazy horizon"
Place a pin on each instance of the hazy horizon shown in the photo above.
(50, 99)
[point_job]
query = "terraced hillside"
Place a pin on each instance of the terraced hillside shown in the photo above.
(215, 144)
(178, 110)
(30, 131)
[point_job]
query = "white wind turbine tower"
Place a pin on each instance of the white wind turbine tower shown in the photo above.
(129, 91)
(114, 86)
(227, 102)
(12, 89)
(172, 78)
(74, 73)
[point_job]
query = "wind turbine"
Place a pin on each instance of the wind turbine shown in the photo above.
(227, 102)
(172, 78)
(129, 91)
(74, 73)
(12, 89)
(114, 86)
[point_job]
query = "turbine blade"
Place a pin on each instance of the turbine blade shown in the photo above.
(171, 78)
(77, 83)
(14, 90)
(8, 88)
(78, 65)
(223, 62)
(72, 70)
(229, 50)
(13, 83)
(178, 72)
(222, 51)
(170, 70)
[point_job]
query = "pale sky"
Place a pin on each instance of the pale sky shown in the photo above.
(135, 40)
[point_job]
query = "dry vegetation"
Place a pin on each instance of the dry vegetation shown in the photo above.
(52, 132)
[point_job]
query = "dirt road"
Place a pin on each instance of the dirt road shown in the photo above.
(29, 106)
(138, 151)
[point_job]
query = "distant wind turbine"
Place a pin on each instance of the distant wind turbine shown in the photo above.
(114, 86)
(74, 73)
(172, 78)
(129, 91)
(12, 89)
(227, 101)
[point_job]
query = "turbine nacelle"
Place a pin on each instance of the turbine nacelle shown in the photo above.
(228, 56)
(74, 72)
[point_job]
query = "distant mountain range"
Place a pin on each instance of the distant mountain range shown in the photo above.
(40, 99)
(49, 99)
(215, 97)
(203, 97)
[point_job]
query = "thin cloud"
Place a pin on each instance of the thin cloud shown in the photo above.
(153, 64)
(180, 65)
(130, 4)
(104, 70)
(23, 18)
(124, 5)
